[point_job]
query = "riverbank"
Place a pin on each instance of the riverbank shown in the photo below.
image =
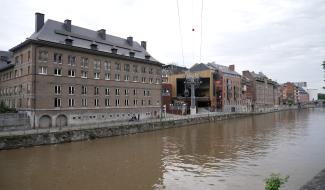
(35, 137)
(317, 183)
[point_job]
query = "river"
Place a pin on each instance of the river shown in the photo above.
(231, 155)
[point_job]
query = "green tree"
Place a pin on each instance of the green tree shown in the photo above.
(324, 70)
(275, 181)
(5, 109)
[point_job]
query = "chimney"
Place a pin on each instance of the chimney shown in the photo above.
(67, 25)
(102, 34)
(232, 67)
(247, 74)
(39, 21)
(130, 40)
(144, 44)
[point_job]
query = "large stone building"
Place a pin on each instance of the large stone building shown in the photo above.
(64, 74)
(263, 93)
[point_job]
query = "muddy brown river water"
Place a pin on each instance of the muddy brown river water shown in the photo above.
(231, 155)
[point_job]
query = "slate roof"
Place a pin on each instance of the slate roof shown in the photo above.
(258, 75)
(5, 57)
(54, 31)
(222, 68)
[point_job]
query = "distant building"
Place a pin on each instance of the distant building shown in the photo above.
(171, 69)
(312, 94)
(288, 93)
(220, 88)
(302, 95)
(263, 93)
(300, 84)
(68, 75)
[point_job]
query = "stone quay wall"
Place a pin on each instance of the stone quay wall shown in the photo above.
(28, 139)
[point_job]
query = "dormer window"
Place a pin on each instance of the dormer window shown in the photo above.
(114, 50)
(68, 40)
(93, 46)
(147, 57)
(131, 54)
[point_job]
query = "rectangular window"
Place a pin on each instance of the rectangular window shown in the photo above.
(157, 80)
(107, 66)
(57, 58)
(150, 80)
(57, 72)
(21, 59)
(149, 102)
(72, 60)
(96, 102)
(117, 66)
(126, 92)
(96, 75)
(117, 77)
(150, 70)
(135, 68)
(96, 90)
(84, 74)
(57, 89)
(117, 91)
(135, 92)
(117, 102)
(135, 102)
(71, 73)
(84, 102)
(126, 102)
(106, 91)
(84, 62)
(16, 60)
(71, 102)
(142, 102)
(43, 55)
(96, 65)
(71, 90)
(28, 56)
(57, 102)
(126, 77)
(143, 79)
(106, 102)
(143, 69)
(83, 90)
(42, 70)
(127, 67)
(107, 76)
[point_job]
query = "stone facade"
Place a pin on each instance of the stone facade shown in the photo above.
(59, 84)
(263, 93)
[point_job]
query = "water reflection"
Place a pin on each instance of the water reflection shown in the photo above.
(209, 155)
(232, 154)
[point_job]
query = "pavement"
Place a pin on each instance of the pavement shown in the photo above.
(317, 183)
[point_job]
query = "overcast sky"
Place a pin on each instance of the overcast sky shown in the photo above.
(285, 39)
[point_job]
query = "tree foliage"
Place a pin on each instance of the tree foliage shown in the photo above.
(275, 181)
(6, 109)
(324, 70)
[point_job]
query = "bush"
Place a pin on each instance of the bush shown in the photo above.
(5, 109)
(275, 181)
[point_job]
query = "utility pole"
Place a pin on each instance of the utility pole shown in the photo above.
(193, 82)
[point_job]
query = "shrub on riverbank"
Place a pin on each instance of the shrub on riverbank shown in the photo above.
(275, 181)
(6, 109)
